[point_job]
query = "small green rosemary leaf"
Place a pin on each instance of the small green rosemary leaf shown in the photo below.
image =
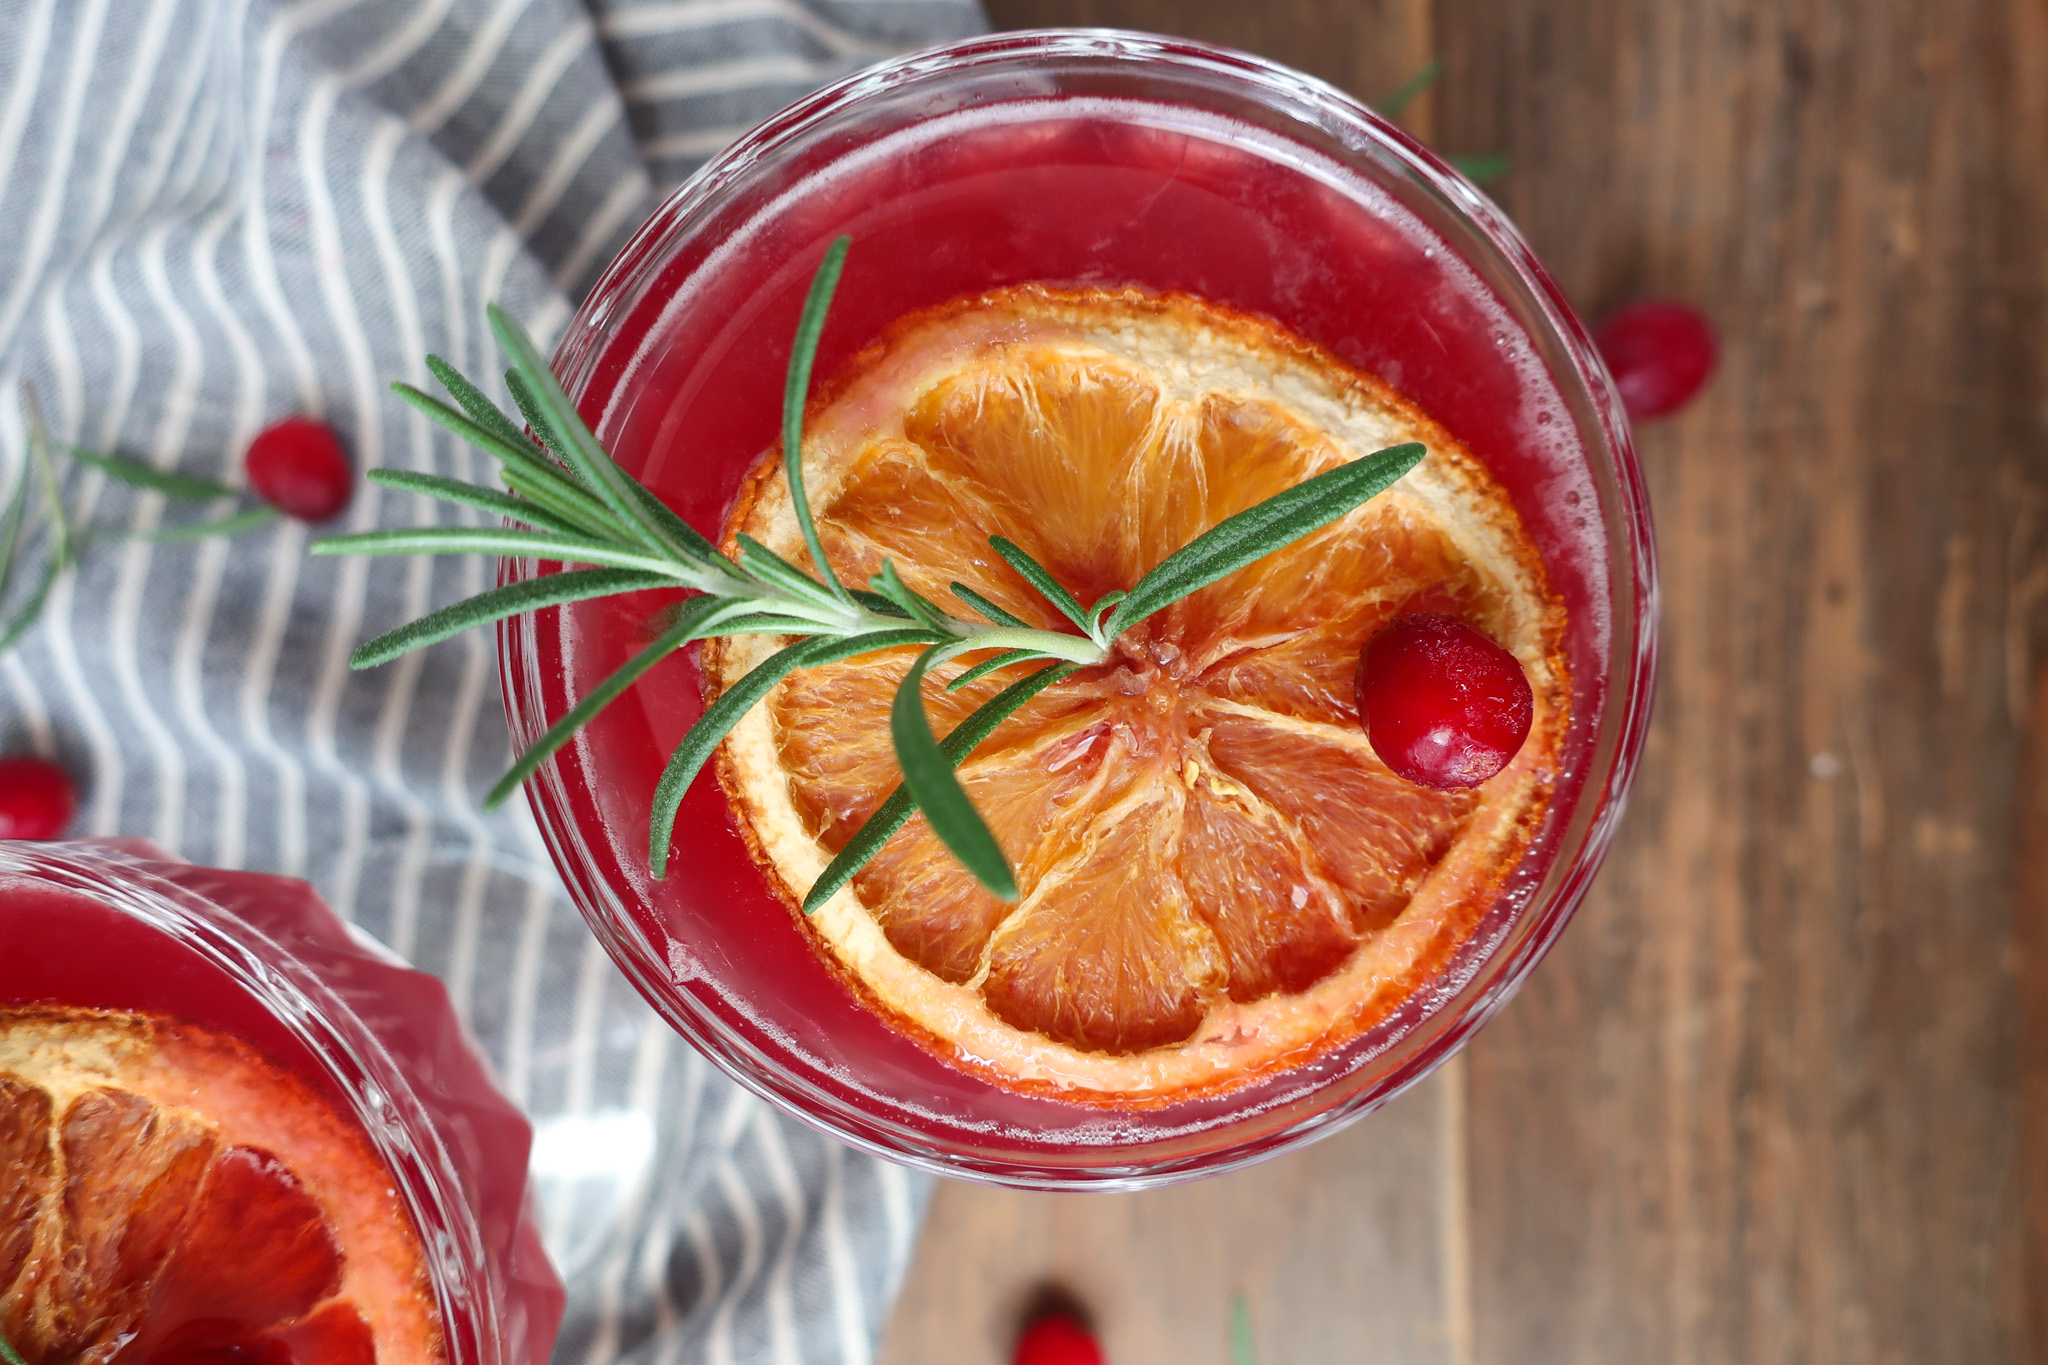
(1259, 530)
(61, 541)
(988, 608)
(1041, 579)
(474, 495)
(988, 666)
(896, 811)
(803, 353)
(536, 417)
(548, 590)
(136, 474)
(698, 614)
(928, 776)
(562, 496)
(719, 718)
(1412, 89)
(247, 519)
(456, 540)
(1243, 1350)
(561, 429)
(10, 529)
(506, 445)
(682, 536)
(9, 1354)
(890, 584)
(579, 449)
(770, 567)
(13, 630)
(1480, 167)
(480, 408)
(1101, 608)
(875, 602)
(687, 536)
(63, 535)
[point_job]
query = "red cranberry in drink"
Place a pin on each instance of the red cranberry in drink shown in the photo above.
(1443, 704)
(299, 467)
(1057, 1339)
(36, 798)
(1659, 353)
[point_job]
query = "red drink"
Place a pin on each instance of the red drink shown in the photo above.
(1078, 160)
(260, 962)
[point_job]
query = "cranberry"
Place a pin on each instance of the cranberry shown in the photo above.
(1659, 354)
(1057, 1339)
(36, 798)
(299, 467)
(1443, 704)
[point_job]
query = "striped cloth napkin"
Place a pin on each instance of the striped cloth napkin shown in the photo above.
(214, 213)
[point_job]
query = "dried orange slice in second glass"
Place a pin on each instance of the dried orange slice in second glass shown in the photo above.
(168, 1197)
(1219, 879)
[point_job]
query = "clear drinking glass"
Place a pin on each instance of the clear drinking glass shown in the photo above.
(116, 925)
(1065, 157)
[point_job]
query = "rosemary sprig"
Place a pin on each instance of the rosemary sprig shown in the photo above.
(566, 501)
(35, 516)
(8, 1354)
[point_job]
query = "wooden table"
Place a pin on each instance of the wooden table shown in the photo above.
(1780, 1095)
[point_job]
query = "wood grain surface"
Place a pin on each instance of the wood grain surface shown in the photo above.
(2030, 934)
(1764, 1103)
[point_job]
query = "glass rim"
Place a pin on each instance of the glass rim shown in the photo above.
(1496, 968)
(380, 1100)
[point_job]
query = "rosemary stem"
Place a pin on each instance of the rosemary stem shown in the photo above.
(1077, 649)
(853, 619)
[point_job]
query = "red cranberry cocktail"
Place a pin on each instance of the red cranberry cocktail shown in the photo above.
(1068, 160)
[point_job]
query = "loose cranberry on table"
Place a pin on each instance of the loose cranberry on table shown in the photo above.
(1057, 1339)
(1443, 704)
(1659, 353)
(299, 467)
(36, 798)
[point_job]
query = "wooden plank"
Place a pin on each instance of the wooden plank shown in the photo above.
(1759, 1106)
(1340, 1252)
(1764, 1103)
(2030, 938)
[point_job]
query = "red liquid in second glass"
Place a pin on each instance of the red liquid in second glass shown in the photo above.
(1061, 192)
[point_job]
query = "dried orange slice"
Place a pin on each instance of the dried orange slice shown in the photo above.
(1219, 877)
(167, 1195)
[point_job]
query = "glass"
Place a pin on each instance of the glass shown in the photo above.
(115, 925)
(1064, 157)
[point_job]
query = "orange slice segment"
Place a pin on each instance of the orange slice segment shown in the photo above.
(170, 1196)
(1218, 878)
(1054, 448)
(896, 509)
(1257, 883)
(1374, 834)
(25, 1163)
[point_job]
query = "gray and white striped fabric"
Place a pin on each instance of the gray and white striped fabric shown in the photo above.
(218, 212)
